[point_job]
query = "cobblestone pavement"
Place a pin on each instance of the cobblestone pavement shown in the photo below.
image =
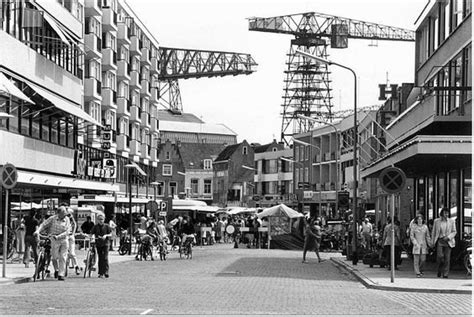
(222, 280)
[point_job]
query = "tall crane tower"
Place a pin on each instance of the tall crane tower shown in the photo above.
(307, 86)
(178, 63)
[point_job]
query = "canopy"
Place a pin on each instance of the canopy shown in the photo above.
(278, 211)
(237, 210)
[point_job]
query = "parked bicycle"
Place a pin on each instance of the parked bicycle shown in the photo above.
(145, 249)
(10, 244)
(124, 246)
(44, 258)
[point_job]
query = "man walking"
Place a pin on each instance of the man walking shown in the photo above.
(58, 228)
(102, 234)
(444, 231)
(367, 233)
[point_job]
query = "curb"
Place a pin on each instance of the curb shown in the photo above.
(367, 282)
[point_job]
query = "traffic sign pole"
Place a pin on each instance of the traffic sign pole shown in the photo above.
(5, 235)
(392, 247)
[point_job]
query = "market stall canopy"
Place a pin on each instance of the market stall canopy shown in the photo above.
(278, 211)
(238, 210)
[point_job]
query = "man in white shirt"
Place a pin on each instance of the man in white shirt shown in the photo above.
(367, 233)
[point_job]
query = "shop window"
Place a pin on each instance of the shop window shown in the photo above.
(45, 128)
(430, 201)
(441, 191)
(453, 193)
(421, 195)
(467, 201)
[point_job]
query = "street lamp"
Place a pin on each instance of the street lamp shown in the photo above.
(354, 200)
(320, 155)
(337, 158)
(130, 167)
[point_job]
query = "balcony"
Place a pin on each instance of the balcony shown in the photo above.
(123, 35)
(154, 65)
(145, 91)
(92, 7)
(123, 143)
(123, 70)
(146, 151)
(135, 147)
(135, 80)
(93, 46)
(154, 124)
(135, 45)
(92, 89)
(422, 116)
(145, 120)
(123, 108)
(109, 59)
(134, 114)
(109, 20)
(145, 58)
(109, 98)
(154, 94)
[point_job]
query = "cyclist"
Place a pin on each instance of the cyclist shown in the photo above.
(163, 234)
(187, 230)
(102, 234)
(58, 228)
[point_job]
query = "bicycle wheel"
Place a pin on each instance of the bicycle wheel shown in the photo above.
(38, 266)
(190, 251)
(87, 263)
(123, 249)
(467, 264)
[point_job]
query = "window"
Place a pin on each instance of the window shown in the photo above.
(168, 155)
(124, 54)
(306, 175)
(302, 148)
(306, 155)
(207, 164)
(274, 149)
(297, 176)
(244, 150)
(167, 170)
(194, 186)
(123, 91)
(208, 186)
(297, 153)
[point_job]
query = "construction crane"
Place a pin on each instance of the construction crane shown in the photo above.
(178, 63)
(307, 87)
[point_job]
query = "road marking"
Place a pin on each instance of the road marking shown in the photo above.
(146, 311)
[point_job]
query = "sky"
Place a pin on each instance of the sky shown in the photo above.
(251, 104)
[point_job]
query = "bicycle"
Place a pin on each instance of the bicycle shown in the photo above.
(186, 251)
(124, 247)
(89, 261)
(145, 249)
(10, 243)
(44, 258)
(162, 249)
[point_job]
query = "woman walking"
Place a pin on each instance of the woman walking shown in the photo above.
(312, 237)
(420, 237)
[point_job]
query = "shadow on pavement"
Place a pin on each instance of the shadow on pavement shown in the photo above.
(282, 267)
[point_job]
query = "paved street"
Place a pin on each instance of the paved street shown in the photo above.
(223, 280)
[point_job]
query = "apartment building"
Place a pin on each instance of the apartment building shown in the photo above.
(41, 71)
(432, 139)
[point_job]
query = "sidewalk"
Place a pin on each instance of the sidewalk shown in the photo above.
(17, 273)
(405, 280)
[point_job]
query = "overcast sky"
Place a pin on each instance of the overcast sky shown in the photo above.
(251, 105)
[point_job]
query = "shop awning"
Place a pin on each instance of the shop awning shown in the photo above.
(63, 104)
(7, 86)
(37, 179)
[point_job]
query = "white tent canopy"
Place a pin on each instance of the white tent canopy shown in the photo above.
(278, 211)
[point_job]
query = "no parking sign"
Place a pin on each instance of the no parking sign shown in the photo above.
(9, 176)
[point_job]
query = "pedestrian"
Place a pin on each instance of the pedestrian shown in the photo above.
(113, 227)
(72, 241)
(311, 239)
(444, 231)
(57, 227)
(366, 230)
(86, 227)
(219, 231)
(31, 224)
(421, 240)
(387, 242)
(102, 233)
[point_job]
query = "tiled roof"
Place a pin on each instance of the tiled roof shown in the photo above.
(266, 147)
(227, 152)
(194, 154)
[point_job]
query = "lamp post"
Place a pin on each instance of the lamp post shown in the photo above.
(354, 199)
(129, 168)
(337, 157)
(320, 155)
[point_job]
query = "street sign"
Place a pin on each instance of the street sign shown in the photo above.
(152, 206)
(164, 206)
(9, 176)
(162, 213)
(392, 180)
(343, 199)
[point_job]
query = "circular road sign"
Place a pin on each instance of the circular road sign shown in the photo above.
(392, 180)
(9, 176)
